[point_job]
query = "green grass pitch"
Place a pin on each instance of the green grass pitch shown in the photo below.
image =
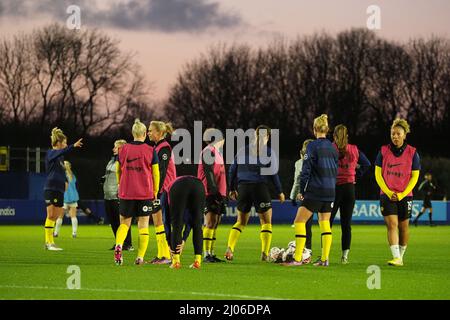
(27, 271)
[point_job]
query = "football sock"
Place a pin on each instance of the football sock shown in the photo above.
(213, 242)
(395, 251)
(74, 225)
(175, 258)
(327, 238)
(300, 240)
(345, 253)
(234, 235)
(58, 224)
(143, 242)
(121, 234)
(402, 251)
(49, 225)
(198, 258)
(161, 241)
(207, 240)
(266, 237)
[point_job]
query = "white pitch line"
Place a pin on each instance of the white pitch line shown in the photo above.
(223, 295)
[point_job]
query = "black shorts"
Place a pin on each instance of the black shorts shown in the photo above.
(253, 194)
(215, 205)
(317, 205)
(55, 198)
(402, 209)
(427, 203)
(138, 208)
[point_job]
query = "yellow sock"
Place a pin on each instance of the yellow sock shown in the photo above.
(198, 258)
(163, 247)
(327, 238)
(234, 235)
(175, 258)
(143, 242)
(300, 240)
(213, 242)
(121, 234)
(207, 240)
(49, 226)
(266, 237)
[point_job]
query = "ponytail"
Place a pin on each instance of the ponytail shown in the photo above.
(164, 128)
(341, 139)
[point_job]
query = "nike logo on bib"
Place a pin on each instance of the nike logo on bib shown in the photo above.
(393, 165)
(131, 160)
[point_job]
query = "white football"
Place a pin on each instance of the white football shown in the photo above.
(274, 254)
(288, 254)
(291, 244)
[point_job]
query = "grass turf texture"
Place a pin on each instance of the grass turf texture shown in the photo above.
(27, 271)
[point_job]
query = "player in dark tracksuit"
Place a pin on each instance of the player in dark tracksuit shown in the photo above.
(247, 173)
(352, 163)
(428, 188)
(317, 191)
(55, 184)
(185, 193)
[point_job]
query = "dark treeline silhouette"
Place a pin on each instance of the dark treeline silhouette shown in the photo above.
(81, 81)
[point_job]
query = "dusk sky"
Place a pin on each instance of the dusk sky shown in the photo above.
(166, 34)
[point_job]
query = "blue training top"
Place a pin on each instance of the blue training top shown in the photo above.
(319, 171)
(71, 194)
(54, 167)
(246, 168)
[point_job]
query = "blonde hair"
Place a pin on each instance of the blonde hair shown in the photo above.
(68, 168)
(340, 135)
(119, 143)
(321, 124)
(305, 144)
(162, 127)
(139, 129)
(402, 123)
(57, 136)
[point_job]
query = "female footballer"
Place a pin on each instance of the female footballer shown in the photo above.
(71, 199)
(295, 194)
(352, 163)
(317, 191)
(55, 183)
(252, 190)
(185, 203)
(110, 195)
(138, 177)
(157, 132)
(211, 171)
(397, 169)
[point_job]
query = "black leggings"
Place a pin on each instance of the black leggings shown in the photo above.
(186, 193)
(112, 212)
(345, 201)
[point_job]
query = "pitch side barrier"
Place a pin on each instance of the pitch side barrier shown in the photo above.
(365, 212)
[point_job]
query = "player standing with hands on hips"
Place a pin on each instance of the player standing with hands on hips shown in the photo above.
(397, 170)
(252, 190)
